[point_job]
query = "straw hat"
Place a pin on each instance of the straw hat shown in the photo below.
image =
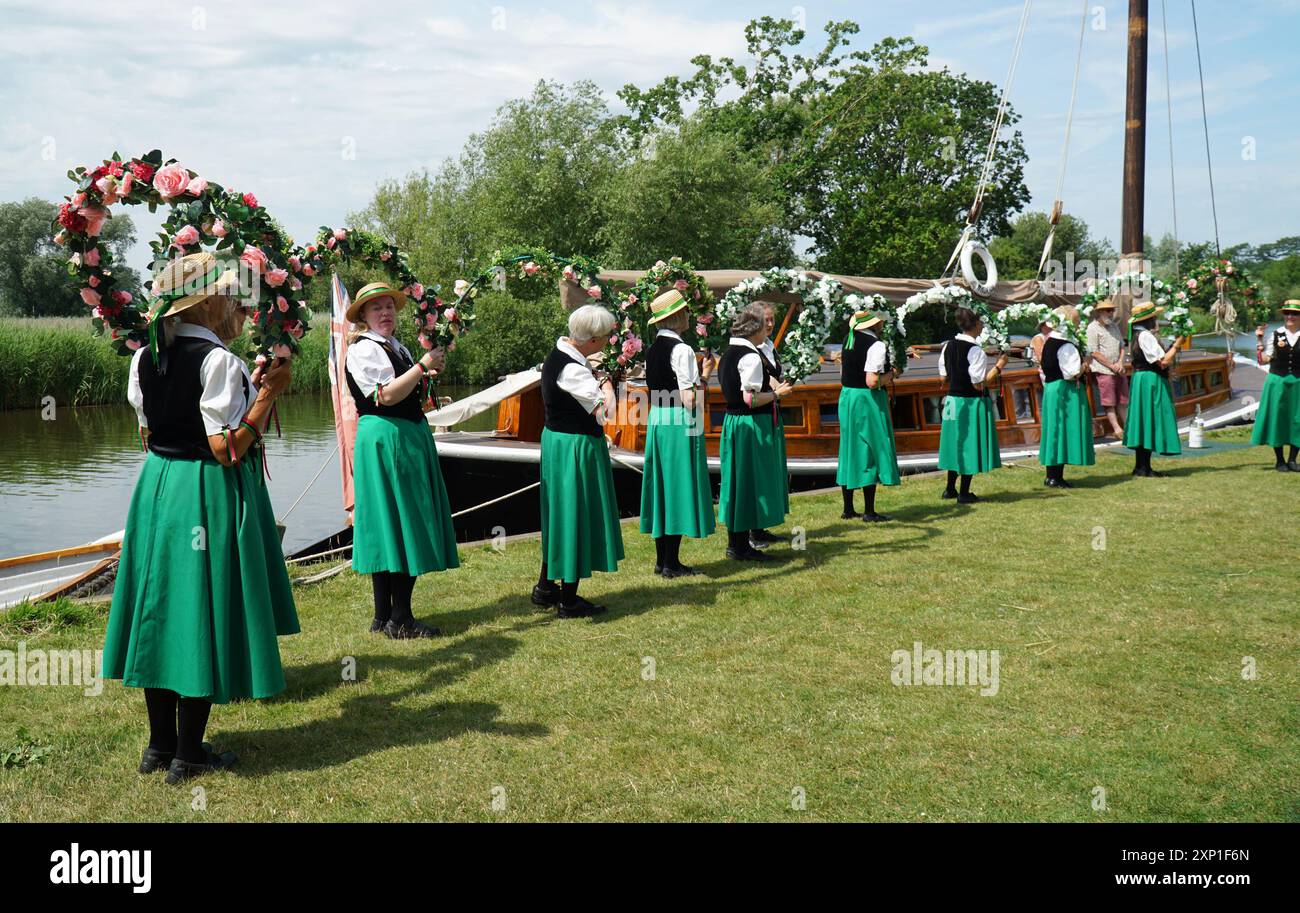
(370, 293)
(1066, 313)
(1291, 306)
(666, 305)
(865, 320)
(1145, 312)
(1105, 304)
(190, 280)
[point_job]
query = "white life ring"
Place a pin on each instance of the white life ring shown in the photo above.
(976, 249)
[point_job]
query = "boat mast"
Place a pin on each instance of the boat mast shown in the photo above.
(1132, 251)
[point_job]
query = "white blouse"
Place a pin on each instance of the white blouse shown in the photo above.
(1067, 356)
(876, 358)
(683, 363)
(1292, 339)
(750, 366)
(977, 361)
(1151, 347)
(369, 366)
(223, 403)
(579, 382)
(768, 348)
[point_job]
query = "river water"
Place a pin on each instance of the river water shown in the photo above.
(69, 480)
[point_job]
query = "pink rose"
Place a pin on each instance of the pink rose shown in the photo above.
(92, 257)
(276, 277)
(613, 340)
(107, 186)
(296, 330)
(95, 217)
(254, 259)
(594, 291)
(631, 299)
(425, 342)
(91, 297)
(281, 304)
(531, 268)
(196, 187)
(430, 321)
(622, 359)
(219, 229)
(1191, 284)
(250, 201)
(127, 182)
(121, 299)
(308, 270)
(295, 264)
(78, 200)
(330, 243)
(281, 351)
(134, 344)
(416, 291)
(340, 234)
(700, 329)
(681, 285)
(660, 265)
(450, 314)
(94, 281)
(186, 236)
(296, 284)
(171, 180)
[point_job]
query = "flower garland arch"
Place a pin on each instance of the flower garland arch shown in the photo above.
(201, 213)
(1201, 288)
(955, 296)
(626, 347)
(823, 303)
(1143, 287)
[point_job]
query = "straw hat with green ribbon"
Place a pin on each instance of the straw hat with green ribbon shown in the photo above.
(185, 282)
(666, 305)
(1141, 313)
(1291, 306)
(370, 293)
(862, 320)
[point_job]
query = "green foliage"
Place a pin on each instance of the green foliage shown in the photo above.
(34, 276)
(1017, 254)
(23, 752)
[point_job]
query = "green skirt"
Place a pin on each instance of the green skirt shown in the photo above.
(968, 437)
(580, 528)
(867, 454)
(1277, 423)
(1152, 423)
(676, 497)
(1067, 426)
(402, 518)
(754, 492)
(202, 591)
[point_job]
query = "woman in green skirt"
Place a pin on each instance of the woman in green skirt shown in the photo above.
(1152, 424)
(676, 497)
(1067, 415)
(867, 453)
(968, 437)
(1277, 423)
(401, 517)
(753, 492)
(580, 528)
(201, 592)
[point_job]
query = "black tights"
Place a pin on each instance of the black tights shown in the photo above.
(392, 596)
(1142, 457)
(1295, 451)
(868, 499)
(668, 551)
(952, 482)
(568, 591)
(177, 724)
(1056, 472)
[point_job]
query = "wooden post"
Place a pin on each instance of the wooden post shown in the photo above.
(1133, 255)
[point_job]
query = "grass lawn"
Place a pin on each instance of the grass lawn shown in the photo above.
(731, 695)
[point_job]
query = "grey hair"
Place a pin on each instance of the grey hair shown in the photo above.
(748, 320)
(590, 321)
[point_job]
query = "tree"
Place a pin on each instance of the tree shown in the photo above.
(1018, 253)
(34, 279)
(693, 193)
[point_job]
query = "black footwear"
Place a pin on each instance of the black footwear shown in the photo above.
(376, 626)
(580, 608)
(1065, 484)
(759, 545)
(154, 760)
(1141, 473)
(1153, 474)
(968, 498)
(763, 536)
(659, 569)
(1293, 466)
(412, 630)
(750, 554)
(850, 515)
(874, 517)
(546, 596)
(1054, 483)
(681, 570)
(179, 771)
(1283, 467)
(948, 494)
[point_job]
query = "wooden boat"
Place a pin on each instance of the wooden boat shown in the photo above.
(63, 572)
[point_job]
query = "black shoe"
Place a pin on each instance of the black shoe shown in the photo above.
(1283, 467)
(874, 517)
(948, 494)
(1153, 474)
(750, 554)
(412, 630)
(850, 515)
(762, 536)
(1140, 473)
(659, 570)
(179, 771)
(968, 498)
(681, 570)
(759, 545)
(580, 608)
(376, 626)
(1065, 484)
(1054, 483)
(154, 760)
(1293, 466)
(546, 596)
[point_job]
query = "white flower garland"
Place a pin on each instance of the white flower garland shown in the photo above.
(955, 296)
(1041, 313)
(890, 332)
(1161, 294)
(823, 304)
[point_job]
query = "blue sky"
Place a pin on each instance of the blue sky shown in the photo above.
(310, 105)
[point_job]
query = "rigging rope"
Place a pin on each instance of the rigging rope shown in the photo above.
(1205, 121)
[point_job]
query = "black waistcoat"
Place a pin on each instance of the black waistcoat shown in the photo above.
(1051, 362)
(1140, 362)
(772, 365)
(411, 408)
(1286, 357)
(853, 362)
(957, 364)
(564, 413)
(661, 379)
(171, 400)
(729, 378)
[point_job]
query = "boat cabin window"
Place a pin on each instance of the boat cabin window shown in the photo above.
(904, 412)
(1196, 383)
(792, 416)
(829, 414)
(1216, 380)
(933, 406)
(1024, 404)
